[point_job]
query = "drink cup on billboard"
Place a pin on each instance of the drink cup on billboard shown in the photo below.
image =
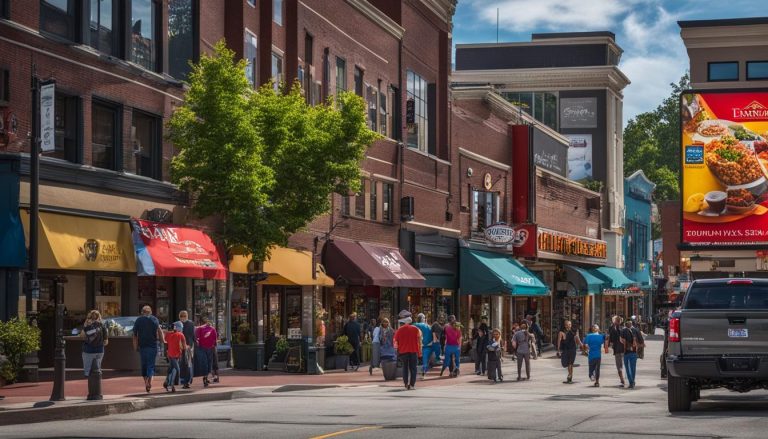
(716, 201)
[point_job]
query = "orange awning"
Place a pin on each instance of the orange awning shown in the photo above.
(286, 266)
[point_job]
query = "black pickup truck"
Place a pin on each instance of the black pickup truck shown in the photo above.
(718, 338)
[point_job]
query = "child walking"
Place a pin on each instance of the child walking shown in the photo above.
(177, 345)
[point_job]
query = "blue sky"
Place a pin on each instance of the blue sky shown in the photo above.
(647, 30)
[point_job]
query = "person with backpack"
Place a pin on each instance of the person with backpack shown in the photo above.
(177, 346)
(538, 333)
(614, 340)
(95, 336)
(146, 336)
(522, 345)
(632, 340)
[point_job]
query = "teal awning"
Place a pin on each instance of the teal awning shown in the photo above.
(583, 280)
(13, 251)
(613, 277)
(485, 272)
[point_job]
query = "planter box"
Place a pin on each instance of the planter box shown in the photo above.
(244, 356)
(342, 361)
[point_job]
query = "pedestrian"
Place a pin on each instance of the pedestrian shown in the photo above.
(480, 349)
(207, 338)
(437, 332)
(375, 349)
(614, 340)
(452, 347)
(187, 357)
(538, 333)
(567, 343)
(429, 343)
(177, 346)
(352, 331)
(495, 350)
(633, 341)
(595, 341)
(408, 345)
(95, 336)
(522, 342)
(387, 340)
(146, 336)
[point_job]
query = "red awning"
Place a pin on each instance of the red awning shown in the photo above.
(173, 251)
(368, 264)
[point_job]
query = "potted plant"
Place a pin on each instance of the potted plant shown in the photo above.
(342, 348)
(244, 348)
(277, 362)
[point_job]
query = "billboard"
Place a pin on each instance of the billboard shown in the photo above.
(724, 193)
(579, 156)
(549, 153)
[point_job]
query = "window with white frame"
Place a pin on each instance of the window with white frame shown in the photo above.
(277, 70)
(416, 111)
(251, 44)
(372, 100)
(373, 202)
(486, 209)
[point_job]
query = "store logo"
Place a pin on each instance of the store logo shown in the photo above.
(501, 235)
(754, 110)
(90, 250)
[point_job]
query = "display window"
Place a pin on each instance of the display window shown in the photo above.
(108, 295)
(293, 313)
(240, 301)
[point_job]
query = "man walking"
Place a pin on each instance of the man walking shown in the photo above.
(614, 340)
(437, 332)
(352, 331)
(633, 341)
(188, 329)
(521, 342)
(430, 344)
(595, 341)
(408, 345)
(146, 335)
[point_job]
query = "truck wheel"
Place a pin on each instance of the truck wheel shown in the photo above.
(678, 394)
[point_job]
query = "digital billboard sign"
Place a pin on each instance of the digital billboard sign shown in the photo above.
(724, 153)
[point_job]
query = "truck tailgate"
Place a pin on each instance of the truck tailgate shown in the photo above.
(724, 332)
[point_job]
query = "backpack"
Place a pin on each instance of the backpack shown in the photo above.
(94, 335)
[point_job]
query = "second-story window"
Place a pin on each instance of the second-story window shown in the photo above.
(757, 70)
(341, 75)
(250, 57)
(147, 147)
(144, 35)
(373, 202)
(277, 69)
(181, 37)
(60, 17)
(416, 111)
(486, 209)
(105, 135)
(384, 115)
(104, 25)
(277, 12)
(372, 100)
(358, 81)
(723, 71)
(68, 113)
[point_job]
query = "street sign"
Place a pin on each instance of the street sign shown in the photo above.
(47, 116)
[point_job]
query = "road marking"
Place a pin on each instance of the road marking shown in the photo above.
(339, 433)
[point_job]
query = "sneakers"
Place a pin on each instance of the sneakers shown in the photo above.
(569, 380)
(216, 380)
(597, 384)
(591, 377)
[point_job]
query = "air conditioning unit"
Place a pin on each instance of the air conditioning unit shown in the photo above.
(407, 209)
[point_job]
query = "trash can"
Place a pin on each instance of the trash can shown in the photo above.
(389, 368)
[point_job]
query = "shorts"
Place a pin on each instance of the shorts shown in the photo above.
(619, 360)
(568, 357)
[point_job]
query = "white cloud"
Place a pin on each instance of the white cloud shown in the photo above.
(650, 76)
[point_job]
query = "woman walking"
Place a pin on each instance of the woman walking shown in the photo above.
(375, 347)
(567, 343)
(495, 350)
(96, 337)
(522, 342)
(595, 341)
(452, 347)
(387, 340)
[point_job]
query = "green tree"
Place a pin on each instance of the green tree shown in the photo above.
(17, 339)
(264, 163)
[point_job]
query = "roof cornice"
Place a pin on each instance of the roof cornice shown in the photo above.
(378, 17)
(725, 36)
(442, 8)
(543, 79)
(548, 42)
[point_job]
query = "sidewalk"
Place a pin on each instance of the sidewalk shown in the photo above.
(28, 402)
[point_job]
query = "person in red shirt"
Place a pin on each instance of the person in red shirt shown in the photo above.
(408, 345)
(177, 344)
(207, 338)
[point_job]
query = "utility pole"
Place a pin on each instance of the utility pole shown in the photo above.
(33, 283)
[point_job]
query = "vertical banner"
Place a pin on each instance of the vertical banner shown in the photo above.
(47, 116)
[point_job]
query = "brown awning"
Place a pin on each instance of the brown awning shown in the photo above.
(361, 263)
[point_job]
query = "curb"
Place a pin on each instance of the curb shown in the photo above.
(105, 408)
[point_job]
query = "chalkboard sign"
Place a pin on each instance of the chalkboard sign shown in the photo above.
(293, 359)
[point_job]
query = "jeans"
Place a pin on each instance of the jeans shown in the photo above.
(523, 358)
(494, 367)
(410, 366)
(630, 365)
(426, 352)
(480, 362)
(354, 358)
(88, 362)
(148, 355)
(213, 363)
(594, 368)
(452, 353)
(173, 371)
(186, 364)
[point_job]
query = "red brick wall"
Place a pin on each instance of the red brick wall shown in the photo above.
(563, 207)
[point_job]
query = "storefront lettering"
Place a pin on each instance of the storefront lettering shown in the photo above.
(571, 245)
(166, 234)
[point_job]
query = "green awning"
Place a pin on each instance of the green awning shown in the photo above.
(495, 273)
(613, 277)
(583, 280)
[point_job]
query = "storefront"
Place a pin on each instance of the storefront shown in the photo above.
(618, 296)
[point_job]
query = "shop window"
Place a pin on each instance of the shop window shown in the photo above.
(104, 26)
(358, 81)
(416, 112)
(272, 296)
(145, 20)
(277, 70)
(341, 75)
(372, 99)
(182, 37)
(542, 106)
(723, 71)
(293, 313)
(68, 112)
(757, 70)
(108, 295)
(251, 57)
(155, 291)
(60, 18)
(277, 12)
(147, 145)
(105, 135)
(240, 301)
(210, 301)
(486, 209)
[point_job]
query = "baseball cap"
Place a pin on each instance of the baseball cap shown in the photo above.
(178, 326)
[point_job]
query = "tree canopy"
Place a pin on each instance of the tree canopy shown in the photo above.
(264, 162)
(652, 143)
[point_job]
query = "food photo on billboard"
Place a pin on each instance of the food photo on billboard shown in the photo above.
(579, 156)
(724, 140)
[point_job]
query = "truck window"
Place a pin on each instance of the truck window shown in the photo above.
(727, 297)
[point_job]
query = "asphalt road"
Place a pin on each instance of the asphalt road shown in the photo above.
(540, 408)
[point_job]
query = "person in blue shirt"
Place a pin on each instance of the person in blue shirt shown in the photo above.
(428, 343)
(595, 341)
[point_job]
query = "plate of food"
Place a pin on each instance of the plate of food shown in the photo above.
(712, 129)
(740, 201)
(735, 165)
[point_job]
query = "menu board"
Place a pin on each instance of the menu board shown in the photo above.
(724, 152)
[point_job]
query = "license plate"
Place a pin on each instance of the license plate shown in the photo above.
(738, 333)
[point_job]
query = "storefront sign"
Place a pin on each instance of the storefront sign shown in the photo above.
(47, 120)
(725, 168)
(572, 246)
(502, 235)
(525, 241)
(549, 153)
(578, 113)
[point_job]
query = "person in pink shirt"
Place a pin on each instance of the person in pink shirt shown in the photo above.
(207, 338)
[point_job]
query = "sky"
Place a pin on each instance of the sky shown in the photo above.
(654, 54)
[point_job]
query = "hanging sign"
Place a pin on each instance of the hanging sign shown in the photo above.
(47, 116)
